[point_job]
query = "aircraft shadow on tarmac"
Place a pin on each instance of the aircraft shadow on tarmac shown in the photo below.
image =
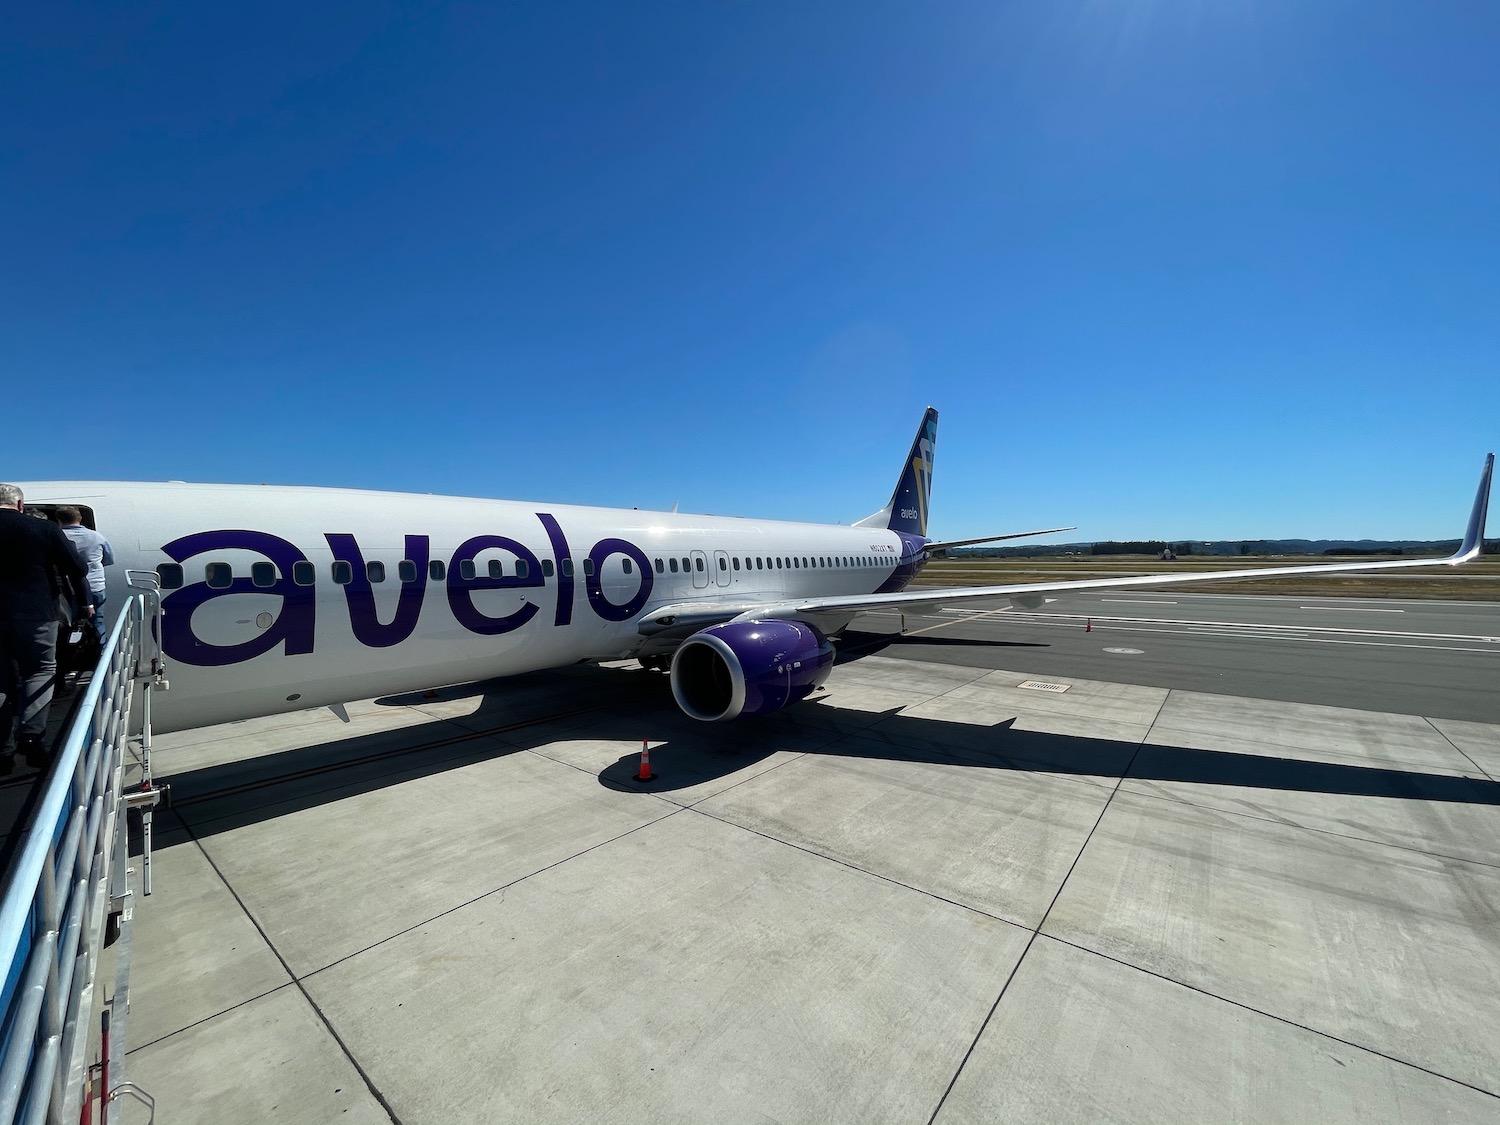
(627, 705)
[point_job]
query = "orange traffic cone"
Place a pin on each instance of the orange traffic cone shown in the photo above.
(1088, 624)
(645, 773)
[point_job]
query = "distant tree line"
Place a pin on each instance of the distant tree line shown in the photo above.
(1139, 547)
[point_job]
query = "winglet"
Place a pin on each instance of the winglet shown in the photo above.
(1473, 543)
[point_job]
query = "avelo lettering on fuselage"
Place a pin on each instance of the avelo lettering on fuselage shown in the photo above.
(294, 627)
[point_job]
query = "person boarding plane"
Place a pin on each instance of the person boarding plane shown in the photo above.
(276, 599)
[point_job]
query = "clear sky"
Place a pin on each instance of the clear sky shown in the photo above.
(1207, 268)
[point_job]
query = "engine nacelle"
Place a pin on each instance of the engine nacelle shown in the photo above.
(748, 668)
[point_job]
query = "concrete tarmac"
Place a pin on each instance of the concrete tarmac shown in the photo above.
(939, 892)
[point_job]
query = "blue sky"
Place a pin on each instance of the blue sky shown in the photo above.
(1205, 268)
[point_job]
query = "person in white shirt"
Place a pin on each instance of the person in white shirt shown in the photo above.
(94, 551)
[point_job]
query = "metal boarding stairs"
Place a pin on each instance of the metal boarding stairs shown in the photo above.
(68, 893)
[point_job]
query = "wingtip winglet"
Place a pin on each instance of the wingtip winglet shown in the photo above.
(1473, 544)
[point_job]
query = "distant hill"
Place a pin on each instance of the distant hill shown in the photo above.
(1335, 547)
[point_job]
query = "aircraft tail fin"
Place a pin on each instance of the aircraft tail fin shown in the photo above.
(907, 510)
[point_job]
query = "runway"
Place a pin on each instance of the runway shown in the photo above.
(943, 891)
(1411, 657)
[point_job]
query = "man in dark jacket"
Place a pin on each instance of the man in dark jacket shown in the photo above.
(36, 562)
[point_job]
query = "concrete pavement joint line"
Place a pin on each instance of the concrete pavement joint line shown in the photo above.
(844, 863)
(1272, 1015)
(375, 1091)
(1457, 747)
(1215, 809)
(1016, 968)
(675, 809)
(214, 1016)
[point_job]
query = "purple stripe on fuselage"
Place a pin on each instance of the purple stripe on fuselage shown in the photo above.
(913, 559)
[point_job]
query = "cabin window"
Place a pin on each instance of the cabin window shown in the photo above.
(627, 566)
(523, 568)
(567, 568)
(736, 563)
(435, 570)
(687, 565)
(588, 568)
(375, 571)
(700, 565)
(170, 575)
(497, 569)
(546, 568)
(758, 561)
(263, 575)
(723, 563)
(304, 573)
(343, 573)
(218, 575)
(661, 567)
(406, 570)
(674, 565)
(467, 570)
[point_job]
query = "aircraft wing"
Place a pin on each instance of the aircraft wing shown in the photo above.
(705, 613)
(938, 548)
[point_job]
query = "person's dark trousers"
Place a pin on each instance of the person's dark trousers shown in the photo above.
(28, 661)
(98, 617)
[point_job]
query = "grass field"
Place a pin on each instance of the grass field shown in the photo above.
(1478, 581)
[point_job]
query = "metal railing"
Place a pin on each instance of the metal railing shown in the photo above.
(59, 896)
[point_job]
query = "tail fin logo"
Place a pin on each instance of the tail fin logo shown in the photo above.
(921, 467)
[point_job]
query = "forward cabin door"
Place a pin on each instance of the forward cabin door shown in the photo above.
(700, 570)
(721, 567)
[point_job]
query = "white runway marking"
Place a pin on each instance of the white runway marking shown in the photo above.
(1352, 608)
(1136, 601)
(1235, 626)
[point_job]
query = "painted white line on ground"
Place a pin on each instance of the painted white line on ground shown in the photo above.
(1265, 626)
(1428, 603)
(1351, 608)
(1136, 601)
(1252, 633)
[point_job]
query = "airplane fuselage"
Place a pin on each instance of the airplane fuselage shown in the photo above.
(276, 599)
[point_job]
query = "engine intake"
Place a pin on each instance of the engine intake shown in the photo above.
(748, 668)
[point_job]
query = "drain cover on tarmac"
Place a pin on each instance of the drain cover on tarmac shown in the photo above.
(1042, 685)
(1126, 651)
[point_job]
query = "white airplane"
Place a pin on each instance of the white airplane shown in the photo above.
(276, 599)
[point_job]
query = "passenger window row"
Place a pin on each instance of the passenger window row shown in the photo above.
(761, 562)
(263, 575)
